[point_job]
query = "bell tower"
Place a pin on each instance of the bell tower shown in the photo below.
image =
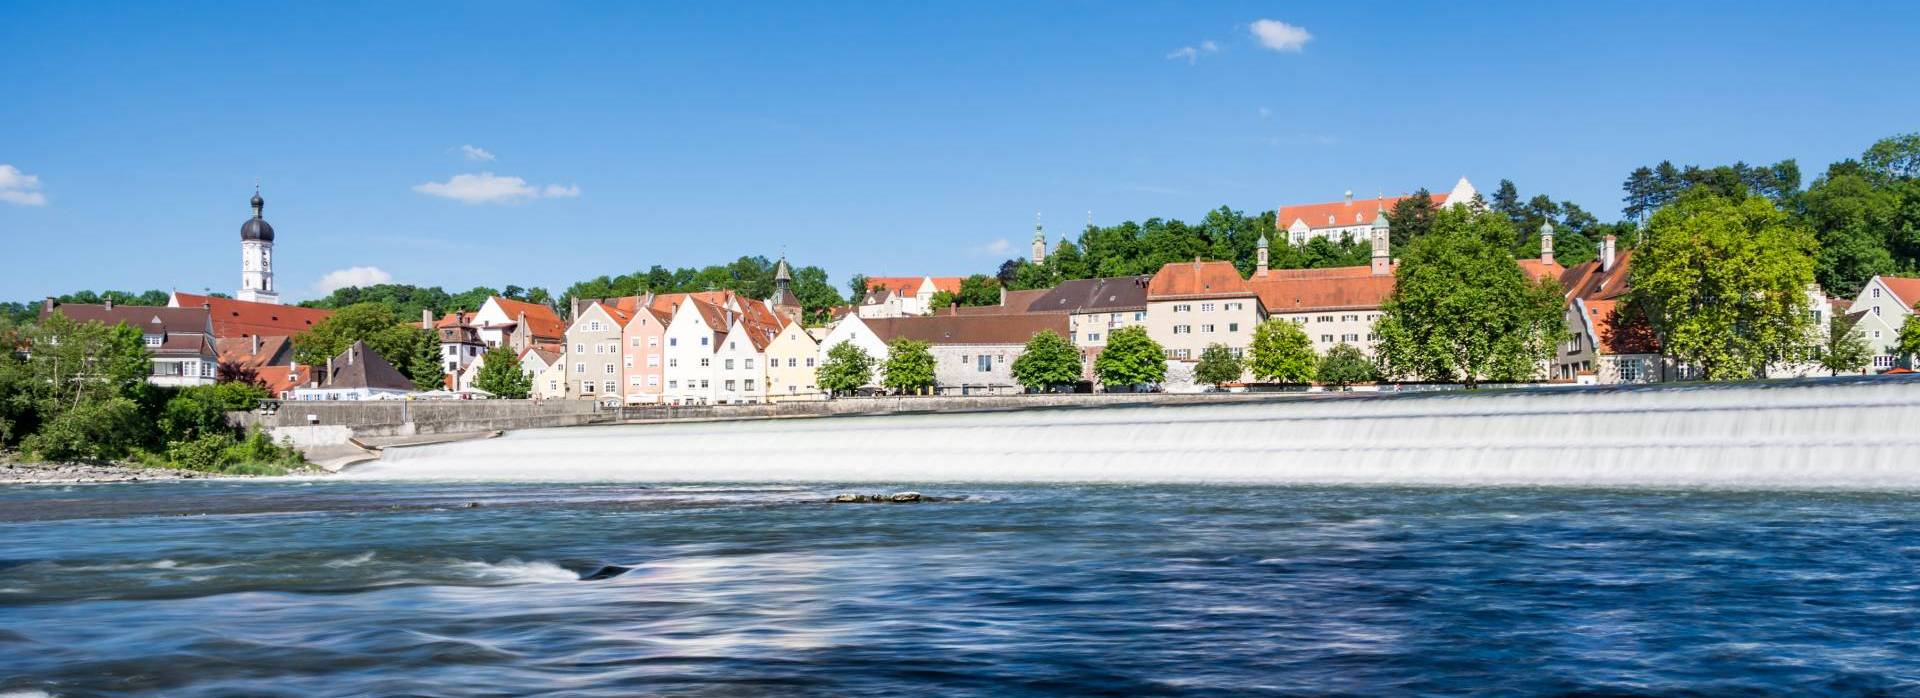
(256, 257)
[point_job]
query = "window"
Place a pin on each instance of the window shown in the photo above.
(747, 363)
(673, 341)
(673, 384)
(1876, 310)
(703, 341)
(1182, 308)
(586, 386)
(729, 364)
(1883, 360)
(809, 362)
(1235, 306)
(748, 385)
(791, 362)
(611, 387)
(579, 348)
(1093, 336)
(674, 363)
(1182, 353)
(153, 340)
(553, 386)
(653, 381)
(597, 349)
(1182, 329)
(1876, 292)
(703, 383)
(609, 369)
(580, 368)
(1233, 327)
(1350, 318)
(705, 362)
(1206, 307)
(629, 362)
(965, 358)
(1324, 318)
(1140, 316)
(1629, 370)
(593, 326)
(653, 341)
(985, 363)
(733, 345)
(730, 385)
(1206, 328)
(633, 380)
(1002, 358)
(1326, 338)
(1350, 337)
(653, 360)
(635, 342)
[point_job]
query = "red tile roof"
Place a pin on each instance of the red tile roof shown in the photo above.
(1344, 213)
(1618, 334)
(242, 351)
(283, 379)
(1312, 290)
(542, 322)
(910, 285)
(965, 329)
(1180, 280)
(1907, 289)
(235, 318)
(1586, 280)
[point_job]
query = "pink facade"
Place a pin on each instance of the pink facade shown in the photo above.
(643, 359)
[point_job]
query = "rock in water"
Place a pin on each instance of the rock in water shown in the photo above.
(605, 572)
(907, 497)
(899, 498)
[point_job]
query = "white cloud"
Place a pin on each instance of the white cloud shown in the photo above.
(476, 154)
(489, 188)
(351, 276)
(1191, 54)
(997, 247)
(18, 187)
(1280, 36)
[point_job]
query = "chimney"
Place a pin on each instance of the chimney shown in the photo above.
(1606, 253)
(355, 349)
(426, 319)
(255, 343)
(46, 306)
(953, 308)
(206, 306)
(329, 371)
(109, 302)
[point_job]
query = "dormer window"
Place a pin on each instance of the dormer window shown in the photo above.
(153, 340)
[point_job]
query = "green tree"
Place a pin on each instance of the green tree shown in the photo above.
(1461, 308)
(500, 374)
(1895, 157)
(1131, 358)
(74, 363)
(909, 367)
(408, 347)
(1281, 353)
(1851, 218)
(1845, 349)
(857, 286)
(1344, 365)
(846, 368)
(816, 295)
(1411, 218)
(1723, 283)
(1048, 363)
(1217, 366)
(1908, 345)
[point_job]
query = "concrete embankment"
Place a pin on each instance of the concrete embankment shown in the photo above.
(336, 434)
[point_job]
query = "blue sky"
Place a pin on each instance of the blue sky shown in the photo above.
(883, 138)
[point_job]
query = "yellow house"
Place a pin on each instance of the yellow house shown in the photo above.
(792, 357)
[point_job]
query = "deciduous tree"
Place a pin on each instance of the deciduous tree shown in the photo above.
(1462, 310)
(846, 368)
(500, 374)
(1048, 363)
(1724, 283)
(1845, 349)
(1217, 366)
(1131, 359)
(1344, 365)
(909, 367)
(1281, 353)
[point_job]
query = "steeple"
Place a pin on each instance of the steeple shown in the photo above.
(1260, 256)
(1546, 242)
(1039, 241)
(256, 255)
(1382, 265)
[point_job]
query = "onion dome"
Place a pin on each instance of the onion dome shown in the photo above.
(256, 228)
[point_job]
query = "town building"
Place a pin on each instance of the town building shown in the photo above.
(972, 354)
(1094, 309)
(537, 359)
(1349, 219)
(256, 257)
(180, 340)
(792, 361)
(594, 354)
(359, 373)
(460, 345)
(898, 296)
(1194, 304)
(699, 324)
(643, 363)
(517, 324)
(238, 319)
(1883, 306)
(740, 358)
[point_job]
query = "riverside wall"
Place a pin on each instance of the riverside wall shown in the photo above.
(314, 423)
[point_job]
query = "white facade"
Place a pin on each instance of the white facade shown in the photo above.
(256, 273)
(852, 329)
(689, 354)
(1883, 312)
(1343, 223)
(739, 368)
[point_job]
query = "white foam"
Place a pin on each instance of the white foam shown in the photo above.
(515, 571)
(1794, 435)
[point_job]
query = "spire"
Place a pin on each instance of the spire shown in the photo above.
(1382, 231)
(1260, 256)
(258, 203)
(1546, 243)
(781, 273)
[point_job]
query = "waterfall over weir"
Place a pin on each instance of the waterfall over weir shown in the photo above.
(1846, 433)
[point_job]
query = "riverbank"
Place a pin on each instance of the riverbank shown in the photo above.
(15, 473)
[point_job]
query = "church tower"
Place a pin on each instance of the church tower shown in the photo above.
(256, 257)
(1039, 242)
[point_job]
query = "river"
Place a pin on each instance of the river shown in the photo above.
(1259, 574)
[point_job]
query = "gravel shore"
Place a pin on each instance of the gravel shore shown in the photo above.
(12, 473)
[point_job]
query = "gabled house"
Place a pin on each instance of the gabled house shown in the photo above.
(1883, 306)
(1193, 304)
(699, 324)
(643, 364)
(359, 373)
(594, 348)
(792, 359)
(896, 296)
(740, 359)
(517, 324)
(180, 340)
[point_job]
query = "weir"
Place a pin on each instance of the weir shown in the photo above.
(1825, 433)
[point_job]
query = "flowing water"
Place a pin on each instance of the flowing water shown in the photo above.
(420, 577)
